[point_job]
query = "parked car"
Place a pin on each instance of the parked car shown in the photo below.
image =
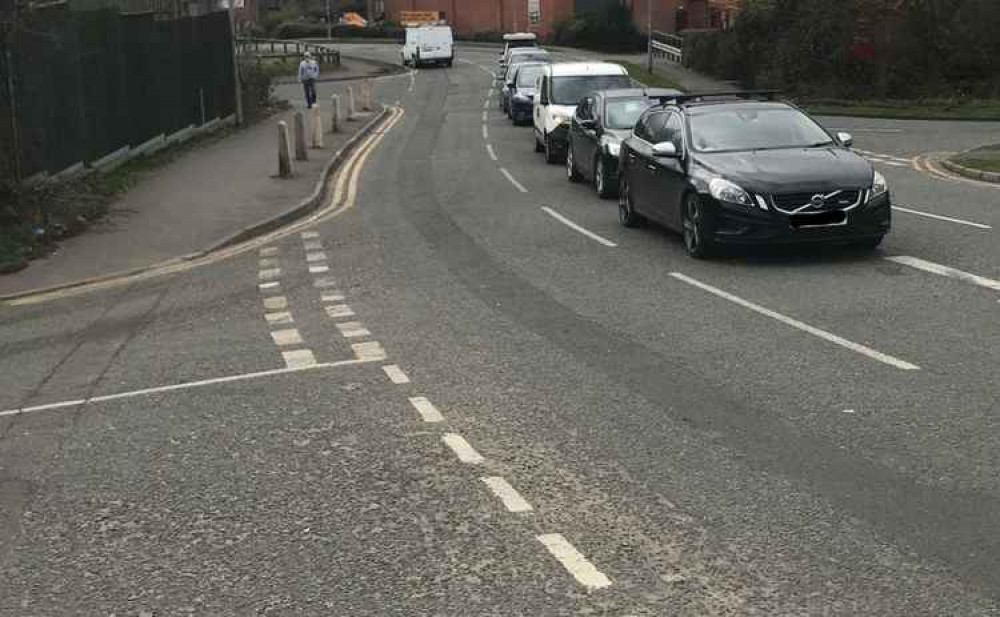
(515, 40)
(559, 88)
(745, 169)
(429, 44)
(519, 56)
(602, 120)
(518, 95)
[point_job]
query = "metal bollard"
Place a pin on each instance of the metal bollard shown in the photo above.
(350, 103)
(285, 168)
(335, 114)
(316, 127)
(300, 137)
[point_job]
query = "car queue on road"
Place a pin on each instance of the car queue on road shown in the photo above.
(722, 169)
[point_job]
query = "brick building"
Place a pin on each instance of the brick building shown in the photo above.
(471, 16)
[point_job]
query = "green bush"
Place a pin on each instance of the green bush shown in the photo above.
(610, 28)
(258, 90)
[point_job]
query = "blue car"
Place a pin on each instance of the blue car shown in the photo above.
(518, 94)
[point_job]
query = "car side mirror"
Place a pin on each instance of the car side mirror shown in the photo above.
(845, 139)
(666, 150)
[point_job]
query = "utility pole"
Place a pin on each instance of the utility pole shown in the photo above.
(329, 24)
(649, 36)
(237, 86)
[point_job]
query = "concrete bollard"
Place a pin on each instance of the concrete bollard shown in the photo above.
(316, 127)
(300, 137)
(350, 103)
(366, 95)
(334, 114)
(285, 169)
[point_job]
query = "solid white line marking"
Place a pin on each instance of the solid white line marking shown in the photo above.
(312, 245)
(489, 150)
(353, 329)
(298, 358)
(337, 311)
(315, 256)
(565, 221)
(276, 303)
(271, 285)
(318, 269)
(861, 349)
(462, 449)
(929, 266)
(513, 180)
(181, 386)
(426, 409)
(268, 262)
(309, 235)
(511, 499)
(287, 337)
(486, 134)
(331, 297)
(396, 374)
(268, 251)
(279, 319)
(370, 351)
(942, 218)
(575, 563)
(324, 282)
(272, 273)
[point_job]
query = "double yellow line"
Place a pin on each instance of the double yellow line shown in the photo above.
(344, 196)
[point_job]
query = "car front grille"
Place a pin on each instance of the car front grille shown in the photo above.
(795, 203)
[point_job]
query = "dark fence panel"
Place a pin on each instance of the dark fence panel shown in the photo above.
(89, 83)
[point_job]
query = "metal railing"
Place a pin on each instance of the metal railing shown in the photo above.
(669, 46)
(282, 49)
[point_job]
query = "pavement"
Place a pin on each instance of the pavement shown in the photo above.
(443, 400)
(195, 201)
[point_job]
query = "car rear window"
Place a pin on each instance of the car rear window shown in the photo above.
(526, 76)
(623, 113)
(568, 90)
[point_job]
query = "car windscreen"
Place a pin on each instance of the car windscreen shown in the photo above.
(526, 76)
(523, 43)
(568, 90)
(754, 128)
(623, 113)
(522, 58)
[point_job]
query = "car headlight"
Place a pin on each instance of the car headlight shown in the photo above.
(521, 98)
(879, 185)
(724, 190)
(614, 148)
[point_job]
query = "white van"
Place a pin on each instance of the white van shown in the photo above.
(431, 44)
(515, 40)
(558, 89)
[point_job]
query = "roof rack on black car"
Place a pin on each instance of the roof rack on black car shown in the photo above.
(694, 97)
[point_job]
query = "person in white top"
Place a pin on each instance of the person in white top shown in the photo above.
(308, 74)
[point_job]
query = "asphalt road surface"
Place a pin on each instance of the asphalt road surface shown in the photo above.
(473, 392)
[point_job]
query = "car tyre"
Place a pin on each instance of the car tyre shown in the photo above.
(538, 145)
(604, 188)
(869, 244)
(550, 154)
(571, 171)
(627, 215)
(697, 241)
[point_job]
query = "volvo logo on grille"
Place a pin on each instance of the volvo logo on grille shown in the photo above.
(817, 201)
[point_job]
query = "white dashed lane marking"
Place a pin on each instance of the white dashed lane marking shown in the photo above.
(510, 498)
(269, 262)
(575, 563)
(283, 338)
(565, 221)
(312, 245)
(513, 180)
(489, 150)
(318, 269)
(370, 351)
(426, 409)
(465, 452)
(309, 235)
(298, 358)
(268, 251)
(315, 256)
(273, 285)
(276, 303)
(934, 268)
(331, 297)
(832, 338)
(336, 311)
(324, 282)
(272, 273)
(486, 134)
(279, 319)
(395, 374)
(353, 329)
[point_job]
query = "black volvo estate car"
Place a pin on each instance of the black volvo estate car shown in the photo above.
(741, 168)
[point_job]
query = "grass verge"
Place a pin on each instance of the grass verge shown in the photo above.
(983, 159)
(906, 110)
(652, 80)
